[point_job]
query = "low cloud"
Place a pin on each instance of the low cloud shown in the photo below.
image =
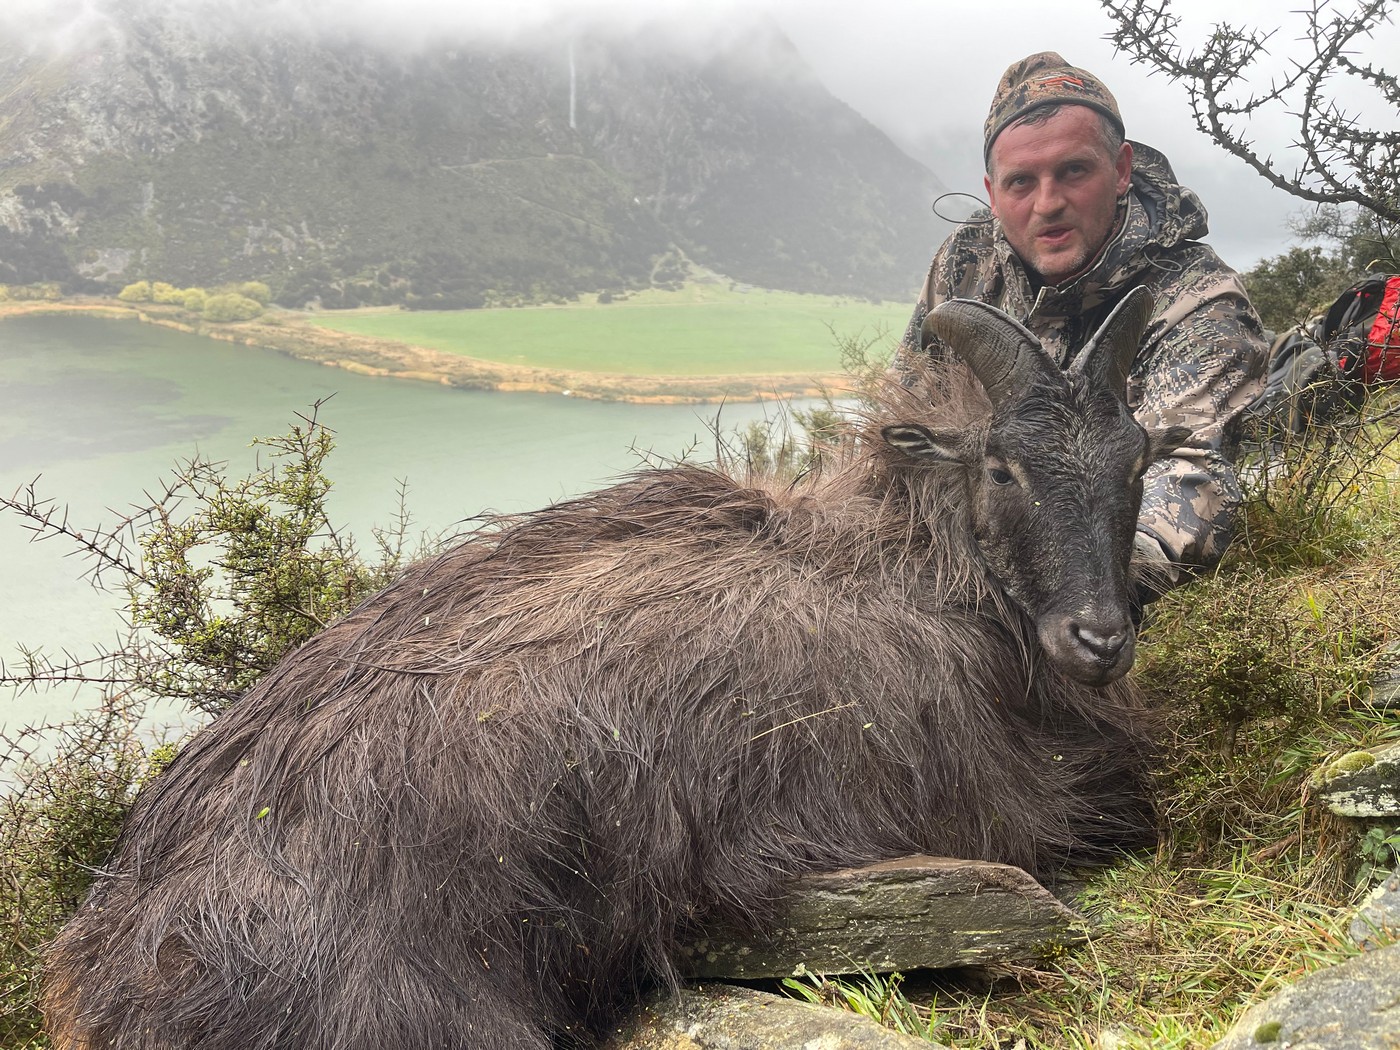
(397, 24)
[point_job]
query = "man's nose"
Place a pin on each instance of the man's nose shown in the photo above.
(1048, 198)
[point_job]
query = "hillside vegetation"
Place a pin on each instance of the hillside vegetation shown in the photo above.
(343, 173)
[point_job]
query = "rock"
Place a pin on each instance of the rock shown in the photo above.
(1385, 686)
(1377, 921)
(1385, 690)
(1354, 1005)
(1361, 783)
(720, 1017)
(911, 913)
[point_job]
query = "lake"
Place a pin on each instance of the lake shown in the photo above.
(101, 410)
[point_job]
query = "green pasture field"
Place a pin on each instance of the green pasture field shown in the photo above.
(699, 330)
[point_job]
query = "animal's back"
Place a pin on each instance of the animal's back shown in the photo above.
(480, 808)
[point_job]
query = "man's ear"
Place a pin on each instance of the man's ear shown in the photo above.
(992, 197)
(919, 442)
(1123, 168)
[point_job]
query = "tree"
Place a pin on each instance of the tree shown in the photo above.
(162, 292)
(1291, 288)
(1287, 289)
(1339, 160)
(255, 290)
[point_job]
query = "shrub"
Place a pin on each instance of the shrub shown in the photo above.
(228, 574)
(230, 306)
(193, 299)
(67, 791)
(166, 293)
(223, 577)
(139, 292)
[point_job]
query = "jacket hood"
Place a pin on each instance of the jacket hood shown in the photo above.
(1173, 213)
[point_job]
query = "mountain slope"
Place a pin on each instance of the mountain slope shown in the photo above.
(172, 149)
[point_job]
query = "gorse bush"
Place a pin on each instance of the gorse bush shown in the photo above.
(65, 793)
(219, 577)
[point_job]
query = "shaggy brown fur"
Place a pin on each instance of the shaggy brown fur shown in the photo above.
(479, 811)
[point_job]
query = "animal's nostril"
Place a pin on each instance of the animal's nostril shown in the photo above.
(1105, 645)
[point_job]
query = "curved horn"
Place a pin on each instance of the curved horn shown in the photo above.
(1108, 356)
(1002, 353)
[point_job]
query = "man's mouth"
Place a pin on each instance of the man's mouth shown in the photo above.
(1055, 235)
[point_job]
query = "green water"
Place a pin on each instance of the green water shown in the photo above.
(101, 410)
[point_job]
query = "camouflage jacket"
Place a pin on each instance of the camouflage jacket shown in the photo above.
(1201, 360)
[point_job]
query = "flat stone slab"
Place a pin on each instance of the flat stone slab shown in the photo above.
(1354, 1005)
(721, 1017)
(1361, 783)
(911, 913)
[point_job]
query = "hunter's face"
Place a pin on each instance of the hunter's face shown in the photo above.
(1055, 188)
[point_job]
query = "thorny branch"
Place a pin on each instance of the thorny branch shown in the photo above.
(1340, 161)
(217, 576)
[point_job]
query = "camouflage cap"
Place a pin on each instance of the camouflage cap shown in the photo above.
(1044, 79)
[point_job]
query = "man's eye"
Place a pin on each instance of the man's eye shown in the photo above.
(999, 476)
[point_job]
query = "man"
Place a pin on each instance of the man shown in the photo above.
(1078, 217)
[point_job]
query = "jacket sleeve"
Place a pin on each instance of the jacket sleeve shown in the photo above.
(1201, 364)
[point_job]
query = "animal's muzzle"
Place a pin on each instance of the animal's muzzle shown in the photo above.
(1092, 648)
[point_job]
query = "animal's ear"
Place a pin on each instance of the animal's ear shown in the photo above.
(921, 443)
(1162, 443)
(1108, 356)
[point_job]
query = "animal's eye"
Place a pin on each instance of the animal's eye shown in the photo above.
(999, 476)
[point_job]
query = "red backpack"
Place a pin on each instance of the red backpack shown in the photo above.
(1362, 329)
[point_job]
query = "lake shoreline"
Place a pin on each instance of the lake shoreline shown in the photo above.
(289, 332)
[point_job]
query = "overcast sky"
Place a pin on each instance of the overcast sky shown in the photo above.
(923, 72)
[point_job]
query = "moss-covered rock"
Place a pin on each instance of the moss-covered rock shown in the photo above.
(1361, 783)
